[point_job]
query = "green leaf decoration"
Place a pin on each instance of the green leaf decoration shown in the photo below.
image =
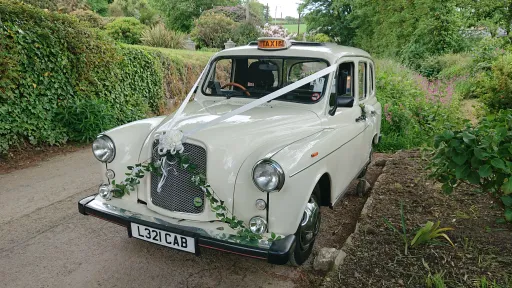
(485, 171)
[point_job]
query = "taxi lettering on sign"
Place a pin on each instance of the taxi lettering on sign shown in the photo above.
(271, 44)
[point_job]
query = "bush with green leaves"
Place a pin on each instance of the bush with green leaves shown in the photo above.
(245, 33)
(90, 17)
(411, 116)
(322, 38)
(497, 87)
(85, 119)
(99, 6)
(480, 155)
(159, 36)
(49, 61)
(126, 30)
(212, 30)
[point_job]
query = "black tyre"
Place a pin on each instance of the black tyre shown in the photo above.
(307, 231)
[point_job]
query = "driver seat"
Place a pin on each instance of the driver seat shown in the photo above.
(258, 78)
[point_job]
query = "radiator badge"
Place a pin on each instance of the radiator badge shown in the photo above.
(198, 202)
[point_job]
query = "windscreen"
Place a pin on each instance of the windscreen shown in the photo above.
(255, 77)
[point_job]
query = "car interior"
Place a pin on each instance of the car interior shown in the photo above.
(259, 77)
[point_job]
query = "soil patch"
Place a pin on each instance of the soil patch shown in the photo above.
(28, 156)
(376, 257)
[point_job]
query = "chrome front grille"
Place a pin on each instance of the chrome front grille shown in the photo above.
(178, 192)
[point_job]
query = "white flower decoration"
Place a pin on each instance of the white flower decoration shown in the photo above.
(170, 141)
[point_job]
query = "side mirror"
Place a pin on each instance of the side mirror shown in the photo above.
(344, 101)
(341, 101)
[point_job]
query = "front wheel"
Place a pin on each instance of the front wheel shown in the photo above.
(307, 231)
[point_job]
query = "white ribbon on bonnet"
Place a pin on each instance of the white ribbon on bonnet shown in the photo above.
(172, 139)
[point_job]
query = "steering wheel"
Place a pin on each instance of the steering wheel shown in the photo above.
(236, 85)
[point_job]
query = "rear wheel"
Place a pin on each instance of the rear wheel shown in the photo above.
(307, 231)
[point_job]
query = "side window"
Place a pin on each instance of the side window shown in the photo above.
(372, 80)
(345, 81)
(343, 84)
(361, 80)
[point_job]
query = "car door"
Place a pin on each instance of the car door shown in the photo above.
(366, 98)
(343, 117)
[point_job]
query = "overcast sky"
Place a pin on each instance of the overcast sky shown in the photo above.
(287, 7)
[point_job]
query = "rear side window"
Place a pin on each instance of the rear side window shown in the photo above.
(361, 80)
(372, 81)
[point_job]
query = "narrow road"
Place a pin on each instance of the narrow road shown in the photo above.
(45, 242)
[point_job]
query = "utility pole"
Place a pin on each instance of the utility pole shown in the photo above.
(275, 16)
(247, 13)
(267, 14)
(298, 25)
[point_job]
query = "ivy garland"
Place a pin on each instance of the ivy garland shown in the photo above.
(138, 171)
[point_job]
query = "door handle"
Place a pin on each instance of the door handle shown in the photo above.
(361, 118)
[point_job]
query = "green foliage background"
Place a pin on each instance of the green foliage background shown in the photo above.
(59, 78)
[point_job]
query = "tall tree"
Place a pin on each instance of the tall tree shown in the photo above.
(179, 15)
(331, 17)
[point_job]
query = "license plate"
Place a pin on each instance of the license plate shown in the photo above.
(164, 238)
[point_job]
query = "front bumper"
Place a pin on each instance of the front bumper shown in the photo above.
(276, 253)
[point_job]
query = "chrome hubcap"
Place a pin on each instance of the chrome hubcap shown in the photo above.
(310, 224)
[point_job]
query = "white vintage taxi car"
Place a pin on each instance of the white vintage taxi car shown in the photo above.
(278, 128)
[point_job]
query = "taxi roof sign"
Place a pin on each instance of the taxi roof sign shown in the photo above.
(272, 43)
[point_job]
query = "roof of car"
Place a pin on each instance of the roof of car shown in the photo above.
(330, 51)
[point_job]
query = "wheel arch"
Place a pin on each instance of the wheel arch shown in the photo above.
(325, 184)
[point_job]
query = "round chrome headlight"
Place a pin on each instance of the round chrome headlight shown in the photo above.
(257, 225)
(103, 149)
(268, 176)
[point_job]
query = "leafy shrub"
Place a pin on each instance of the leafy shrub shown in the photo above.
(90, 17)
(63, 6)
(99, 6)
(322, 38)
(245, 33)
(455, 66)
(412, 114)
(213, 30)
(139, 9)
(445, 66)
(50, 60)
(488, 50)
(237, 14)
(126, 30)
(85, 119)
(480, 155)
(159, 36)
(497, 87)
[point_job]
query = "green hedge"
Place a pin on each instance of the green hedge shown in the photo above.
(58, 76)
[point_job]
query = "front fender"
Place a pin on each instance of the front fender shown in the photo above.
(128, 140)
